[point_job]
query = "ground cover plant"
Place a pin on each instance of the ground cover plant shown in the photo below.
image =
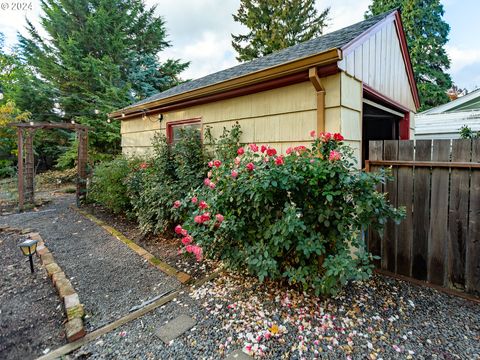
(297, 217)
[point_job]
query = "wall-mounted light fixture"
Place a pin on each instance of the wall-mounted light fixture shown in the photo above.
(160, 117)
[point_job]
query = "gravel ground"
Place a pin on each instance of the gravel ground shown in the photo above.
(162, 248)
(108, 276)
(380, 319)
(31, 315)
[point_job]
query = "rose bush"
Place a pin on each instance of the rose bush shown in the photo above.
(297, 217)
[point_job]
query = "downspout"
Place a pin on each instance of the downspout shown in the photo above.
(317, 84)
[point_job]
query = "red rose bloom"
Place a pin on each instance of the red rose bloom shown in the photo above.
(240, 151)
(263, 148)
(271, 152)
(279, 160)
(217, 163)
(250, 166)
(338, 137)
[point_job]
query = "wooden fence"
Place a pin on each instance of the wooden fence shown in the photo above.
(438, 183)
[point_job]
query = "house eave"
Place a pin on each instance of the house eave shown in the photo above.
(328, 57)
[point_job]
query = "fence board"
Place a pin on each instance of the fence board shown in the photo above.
(437, 238)
(421, 209)
(405, 198)
(473, 243)
(438, 182)
(458, 214)
(374, 239)
(390, 152)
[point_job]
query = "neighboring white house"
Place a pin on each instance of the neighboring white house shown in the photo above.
(445, 121)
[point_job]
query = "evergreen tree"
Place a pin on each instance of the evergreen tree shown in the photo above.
(276, 24)
(100, 55)
(427, 34)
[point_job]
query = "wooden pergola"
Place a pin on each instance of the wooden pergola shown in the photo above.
(26, 166)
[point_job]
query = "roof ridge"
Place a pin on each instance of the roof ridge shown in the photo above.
(334, 39)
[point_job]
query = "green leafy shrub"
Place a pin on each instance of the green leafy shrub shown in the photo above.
(7, 169)
(467, 133)
(225, 147)
(297, 217)
(170, 174)
(108, 186)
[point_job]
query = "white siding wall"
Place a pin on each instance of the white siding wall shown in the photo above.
(378, 62)
(445, 126)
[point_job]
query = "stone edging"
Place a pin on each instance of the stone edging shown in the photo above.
(184, 278)
(74, 327)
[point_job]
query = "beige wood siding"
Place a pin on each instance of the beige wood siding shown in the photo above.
(280, 117)
(378, 62)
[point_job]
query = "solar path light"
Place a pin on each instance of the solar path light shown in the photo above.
(29, 247)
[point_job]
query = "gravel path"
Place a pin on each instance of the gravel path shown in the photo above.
(107, 275)
(379, 319)
(31, 316)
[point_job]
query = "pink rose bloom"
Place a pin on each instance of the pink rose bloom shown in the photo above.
(184, 232)
(234, 174)
(217, 163)
(210, 164)
(206, 181)
(279, 160)
(334, 155)
(219, 218)
(253, 147)
(177, 204)
(202, 205)
(194, 200)
(289, 151)
(178, 229)
(271, 152)
(250, 166)
(187, 240)
(313, 133)
(263, 148)
(143, 166)
(189, 248)
(327, 137)
(198, 219)
(179, 252)
(212, 185)
(241, 151)
(205, 217)
(197, 251)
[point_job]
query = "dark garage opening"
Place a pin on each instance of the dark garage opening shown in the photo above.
(378, 124)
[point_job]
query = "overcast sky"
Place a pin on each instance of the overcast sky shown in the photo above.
(199, 31)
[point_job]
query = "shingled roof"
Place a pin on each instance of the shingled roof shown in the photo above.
(336, 39)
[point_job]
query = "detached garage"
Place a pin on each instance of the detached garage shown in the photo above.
(357, 81)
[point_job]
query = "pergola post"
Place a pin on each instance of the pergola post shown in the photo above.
(26, 168)
(29, 168)
(21, 199)
(82, 136)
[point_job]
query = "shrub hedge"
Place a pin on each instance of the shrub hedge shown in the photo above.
(297, 217)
